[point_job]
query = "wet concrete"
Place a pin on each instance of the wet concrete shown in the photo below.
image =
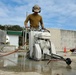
(25, 65)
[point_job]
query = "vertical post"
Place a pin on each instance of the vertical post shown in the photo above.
(25, 45)
(26, 32)
(64, 51)
(23, 37)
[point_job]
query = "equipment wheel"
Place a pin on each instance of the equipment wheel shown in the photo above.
(68, 61)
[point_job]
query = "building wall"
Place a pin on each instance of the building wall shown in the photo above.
(63, 38)
(68, 39)
(14, 39)
(56, 38)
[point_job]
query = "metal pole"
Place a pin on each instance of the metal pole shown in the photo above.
(23, 37)
(24, 46)
(26, 32)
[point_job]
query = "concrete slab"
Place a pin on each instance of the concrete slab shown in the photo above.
(32, 73)
(31, 67)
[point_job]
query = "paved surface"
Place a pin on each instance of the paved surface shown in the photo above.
(25, 66)
(17, 73)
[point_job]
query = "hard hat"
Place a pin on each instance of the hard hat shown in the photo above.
(36, 8)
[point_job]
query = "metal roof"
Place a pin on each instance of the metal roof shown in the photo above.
(9, 32)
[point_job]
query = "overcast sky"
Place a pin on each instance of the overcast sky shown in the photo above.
(56, 13)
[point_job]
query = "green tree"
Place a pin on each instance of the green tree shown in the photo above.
(11, 27)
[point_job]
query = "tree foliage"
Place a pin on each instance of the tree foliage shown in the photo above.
(11, 27)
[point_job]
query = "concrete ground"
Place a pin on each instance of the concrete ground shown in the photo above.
(26, 66)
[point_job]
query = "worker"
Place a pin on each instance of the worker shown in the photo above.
(35, 19)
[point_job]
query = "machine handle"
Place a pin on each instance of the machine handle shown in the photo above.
(27, 27)
(39, 29)
(45, 29)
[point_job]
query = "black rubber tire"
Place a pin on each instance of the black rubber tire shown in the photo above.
(68, 61)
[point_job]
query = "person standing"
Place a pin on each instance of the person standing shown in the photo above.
(35, 19)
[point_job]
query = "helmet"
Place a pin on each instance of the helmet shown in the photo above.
(36, 8)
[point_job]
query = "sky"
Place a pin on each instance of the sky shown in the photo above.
(60, 14)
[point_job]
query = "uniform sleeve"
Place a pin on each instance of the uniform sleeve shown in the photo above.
(41, 22)
(27, 19)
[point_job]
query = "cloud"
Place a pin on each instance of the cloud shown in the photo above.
(55, 13)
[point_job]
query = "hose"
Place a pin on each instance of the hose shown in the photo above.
(6, 54)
